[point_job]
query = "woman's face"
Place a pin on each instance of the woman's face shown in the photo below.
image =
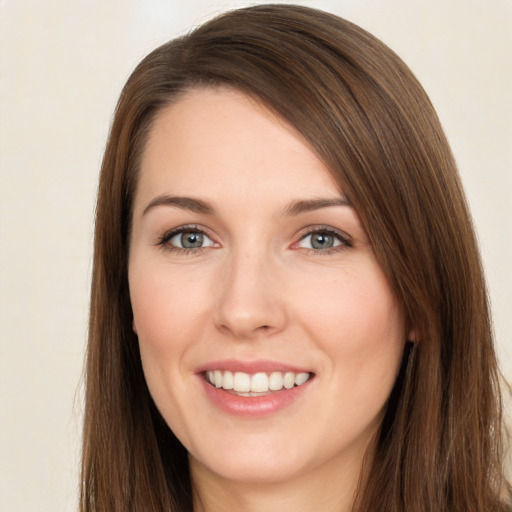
(269, 336)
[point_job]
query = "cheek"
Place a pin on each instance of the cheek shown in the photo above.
(355, 305)
(153, 321)
(356, 320)
(166, 320)
(152, 316)
(170, 315)
(166, 307)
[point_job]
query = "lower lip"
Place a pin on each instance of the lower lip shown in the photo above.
(254, 406)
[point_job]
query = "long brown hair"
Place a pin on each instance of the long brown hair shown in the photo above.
(369, 120)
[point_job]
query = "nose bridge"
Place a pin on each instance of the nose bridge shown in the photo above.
(249, 302)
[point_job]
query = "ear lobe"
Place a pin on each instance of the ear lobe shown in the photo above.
(412, 336)
(134, 327)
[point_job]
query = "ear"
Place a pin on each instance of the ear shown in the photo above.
(134, 327)
(412, 336)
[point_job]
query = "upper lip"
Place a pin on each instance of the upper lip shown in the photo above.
(250, 367)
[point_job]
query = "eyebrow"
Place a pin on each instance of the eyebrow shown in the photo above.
(185, 203)
(199, 206)
(304, 206)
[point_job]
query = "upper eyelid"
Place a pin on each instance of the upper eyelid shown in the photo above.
(303, 233)
(170, 233)
(346, 241)
(310, 230)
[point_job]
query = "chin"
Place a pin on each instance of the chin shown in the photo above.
(249, 468)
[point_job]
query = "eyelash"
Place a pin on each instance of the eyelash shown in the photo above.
(164, 240)
(345, 241)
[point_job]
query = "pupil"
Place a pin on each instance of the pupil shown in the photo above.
(321, 241)
(191, 240)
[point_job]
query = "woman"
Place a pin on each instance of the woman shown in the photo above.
(288, 307)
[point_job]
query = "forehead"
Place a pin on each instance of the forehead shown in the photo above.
(221, 143)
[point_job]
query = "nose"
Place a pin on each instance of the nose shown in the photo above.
(249, 303)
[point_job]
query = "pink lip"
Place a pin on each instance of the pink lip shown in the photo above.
(250, 367)
(253, 407)
(256, 406)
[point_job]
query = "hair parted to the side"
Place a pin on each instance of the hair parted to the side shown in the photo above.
(369, 120)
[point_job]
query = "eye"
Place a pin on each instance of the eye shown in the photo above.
(190, 240)
(186, 238)
(323, 240)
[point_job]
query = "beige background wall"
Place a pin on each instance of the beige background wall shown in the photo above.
(62, 65)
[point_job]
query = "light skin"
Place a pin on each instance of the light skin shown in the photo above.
(281, 270)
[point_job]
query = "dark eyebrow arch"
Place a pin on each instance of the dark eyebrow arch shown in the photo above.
(304, 206)
(185, 203)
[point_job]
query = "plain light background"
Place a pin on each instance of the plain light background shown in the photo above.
(62, 66)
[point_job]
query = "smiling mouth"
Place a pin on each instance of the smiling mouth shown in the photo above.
(257, 384)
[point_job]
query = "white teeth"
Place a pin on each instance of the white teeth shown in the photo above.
(227, 381)
(289, 380)
(300, 378)
(275, 382)
(260, 382)
(217, 377)
(242, 382)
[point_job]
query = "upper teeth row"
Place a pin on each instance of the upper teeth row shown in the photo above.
(258, 382)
